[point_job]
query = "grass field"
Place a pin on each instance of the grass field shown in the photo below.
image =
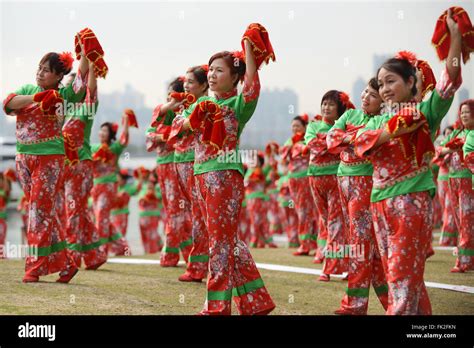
(151, 289)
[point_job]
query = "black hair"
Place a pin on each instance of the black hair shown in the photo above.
(200, 74)
(334, 96)
(177, 85)
(300, 119)
(374, 84)
(112, 134)
(52, 58)
(230, 60)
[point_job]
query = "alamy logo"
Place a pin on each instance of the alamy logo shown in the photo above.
(37, 331)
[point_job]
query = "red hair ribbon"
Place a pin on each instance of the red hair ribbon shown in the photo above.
(305, 118)
(115, 127)
(441, 38)
(66, 60)
(410, 57)
(345, 100)
(205, 67)
(258, 38)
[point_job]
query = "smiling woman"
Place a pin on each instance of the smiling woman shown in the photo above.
(232, 271)
(40, 160)
(399, 145)
(461, 193)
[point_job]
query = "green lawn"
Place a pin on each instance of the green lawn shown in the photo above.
(150, 289)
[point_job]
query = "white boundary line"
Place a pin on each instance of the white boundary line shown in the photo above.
(291, 269)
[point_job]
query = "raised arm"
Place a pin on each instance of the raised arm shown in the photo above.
(453, 62)
(124, 134)
(251, 65)
(91, 79)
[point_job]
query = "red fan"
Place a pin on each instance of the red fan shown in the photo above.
(66, 60)
(207, 117)
(262, 48)
(104, 154)
(455, 143)
(441, 38)
(48, 101)
(190, 98)
(9, 174)
(93, 51)
(415, 144)
(132, 119)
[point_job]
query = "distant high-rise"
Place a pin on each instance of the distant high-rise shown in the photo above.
(463, 94)
(129, 98)
(272, 118)
(110, 109)
(357, 88)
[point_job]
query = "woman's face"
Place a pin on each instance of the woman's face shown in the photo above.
(220, 78)
(393, 89)
(371, 101)
(104, 134)
(47, 78)
(466, 118)
(121, 181)
(297, 127)
(329, 110)
(447, 132)
(192, 85)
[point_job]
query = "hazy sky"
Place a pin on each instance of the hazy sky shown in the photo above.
(319, 45)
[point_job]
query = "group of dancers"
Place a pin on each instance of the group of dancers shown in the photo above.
(357, 186)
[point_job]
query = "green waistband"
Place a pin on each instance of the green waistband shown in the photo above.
(182, 157)
(466, 173)
(444, 177)
(258, 194)
(315, 170)
(120, 211)
(110, 178)
(51, 147)
(149, 213)
(300, 174)
(165, 159)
